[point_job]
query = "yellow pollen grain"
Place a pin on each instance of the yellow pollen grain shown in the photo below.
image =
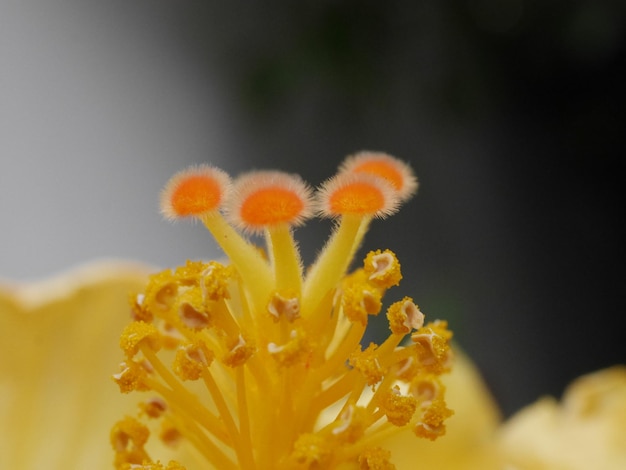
(384, 169)
(358, 198)
(270, 206)
(195, 195)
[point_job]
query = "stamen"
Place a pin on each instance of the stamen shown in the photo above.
(404, 316)
(375, 458)
(359, 298)
(154, 407)
(291, 352)
(398, 408)
(284, 306)
(192, 360)
(128, 438)
(383, 268)
(131, 377)
(137, 333)
(431, 343)
(239, 351)
(432, 416)
(368, 364)
(170, 435)
(192, 310)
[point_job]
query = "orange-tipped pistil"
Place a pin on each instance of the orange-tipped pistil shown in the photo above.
(269, 198)
(194, 192)
(394, 171)
(357, 194)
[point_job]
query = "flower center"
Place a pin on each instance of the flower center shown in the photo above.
(256, 365)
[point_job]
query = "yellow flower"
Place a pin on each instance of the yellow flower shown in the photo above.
(257, 363)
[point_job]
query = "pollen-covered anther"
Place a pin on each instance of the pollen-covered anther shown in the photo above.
(429, 393)
(239, 350)
(357, 194)
(295, 350)
(431, 423)
(192, 309)
(404, 316)
(192, 360)
(359, 300)
(269, 198)
(398, 408)
(312, 451)
(136, 333)
(190, 273)
(406, 369)
(351, 423)
(153, 407)
(131, 377)
(161, 292)
(432, 344)
(284, 305)
(193, 317)
(382, 268)
(128, 438)
(169, 434)
(215, 280)
(398, 173)
(138, 310)
(375, 458)
(368, 364)
(426, 389)
(194, 192)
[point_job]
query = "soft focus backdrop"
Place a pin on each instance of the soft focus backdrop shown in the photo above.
(511, 112)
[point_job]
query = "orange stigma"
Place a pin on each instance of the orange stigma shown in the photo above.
(271, 206)
(194, 192)
(357, 194)
(269, 198)
(394, 171)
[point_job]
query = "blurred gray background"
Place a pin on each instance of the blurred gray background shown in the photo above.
(510, 111)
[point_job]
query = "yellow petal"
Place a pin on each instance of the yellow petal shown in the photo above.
(587, 430)
(58, 339)
(468, 443)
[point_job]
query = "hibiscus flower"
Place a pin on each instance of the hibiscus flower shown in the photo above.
(256, 362)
